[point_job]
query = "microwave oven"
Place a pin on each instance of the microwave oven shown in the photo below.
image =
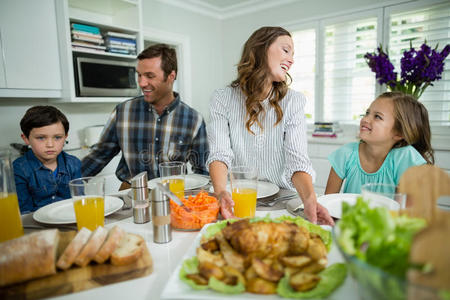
(95, 77)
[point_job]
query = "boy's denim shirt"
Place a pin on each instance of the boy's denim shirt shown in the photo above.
(37, 186)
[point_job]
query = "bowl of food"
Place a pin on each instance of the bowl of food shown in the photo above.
(376, 246)
(203, 206)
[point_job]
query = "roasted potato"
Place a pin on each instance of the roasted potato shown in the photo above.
(210, 245)
(250, 273)
(300, 241)
(316, 249)
(296, 261)
(230, 271)
(303, 281)
(315, 267)
(261, 286)
(232, 258)
(207, 270)
(198, 279)
(206, 256)
(266, 271)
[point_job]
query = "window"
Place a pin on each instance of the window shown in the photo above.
(304, 67)
(330, 66)
(348, 85)
(415, 26)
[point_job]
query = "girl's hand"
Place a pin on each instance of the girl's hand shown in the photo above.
(226, 204)
(317, 214)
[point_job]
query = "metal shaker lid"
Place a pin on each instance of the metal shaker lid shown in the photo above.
(139, 190)
(139, 181)
(157, 195)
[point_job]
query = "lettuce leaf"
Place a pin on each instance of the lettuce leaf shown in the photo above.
(331, 278)
(190, 266)
(222, 287)
(376, 237)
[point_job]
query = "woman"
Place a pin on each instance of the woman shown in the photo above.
(259, 121)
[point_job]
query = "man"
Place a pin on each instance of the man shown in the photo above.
(152, 128)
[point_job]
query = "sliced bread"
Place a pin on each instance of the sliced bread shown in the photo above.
(27, 257)
(113, 239)
(89, 250)
(129, 250)
(67, 258)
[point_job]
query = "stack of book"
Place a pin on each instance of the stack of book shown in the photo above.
(117, 42)
(326, 129)
(87, 38)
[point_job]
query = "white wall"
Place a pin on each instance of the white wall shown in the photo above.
(205, 39)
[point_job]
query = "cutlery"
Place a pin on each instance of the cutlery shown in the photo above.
(276, 200)
(295, 209)
(172, 196)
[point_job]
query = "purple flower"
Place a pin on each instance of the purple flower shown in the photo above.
(381, 65)
(419, 68)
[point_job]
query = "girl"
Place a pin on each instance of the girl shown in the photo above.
(259, 121)
(394, 135)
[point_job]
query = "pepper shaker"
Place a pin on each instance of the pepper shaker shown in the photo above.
(140, 203)
(162, 229)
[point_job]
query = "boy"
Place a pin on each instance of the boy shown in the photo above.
(42, 175)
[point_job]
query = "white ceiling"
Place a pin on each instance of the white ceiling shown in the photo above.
(224, 9)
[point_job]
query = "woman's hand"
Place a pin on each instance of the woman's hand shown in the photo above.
(226, 204)
(317, 214)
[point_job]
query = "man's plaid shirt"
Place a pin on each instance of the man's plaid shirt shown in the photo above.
(146, 139)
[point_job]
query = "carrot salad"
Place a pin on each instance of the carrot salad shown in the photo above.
(204, 209)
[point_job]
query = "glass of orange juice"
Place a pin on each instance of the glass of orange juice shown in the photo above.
(10, 220)
(88, 195)
(244, 182)
(173, 172)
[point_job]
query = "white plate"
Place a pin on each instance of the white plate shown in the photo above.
(333, 202)
(176, 289)
(191, 181)
(264, 189)
(62, 212)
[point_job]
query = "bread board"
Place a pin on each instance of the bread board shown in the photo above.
(78, 279)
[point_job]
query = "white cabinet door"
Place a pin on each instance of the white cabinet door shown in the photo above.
(30, 45)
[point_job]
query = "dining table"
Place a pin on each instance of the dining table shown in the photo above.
(168, 257)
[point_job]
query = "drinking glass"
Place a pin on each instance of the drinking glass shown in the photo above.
(382, 194)
(244, 181)
(10, 221)
(88, 195)
(173, 172)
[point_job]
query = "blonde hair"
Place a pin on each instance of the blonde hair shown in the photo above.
(412, 123)
(253, 76)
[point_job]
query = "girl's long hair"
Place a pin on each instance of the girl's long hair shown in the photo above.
(412, 123)
(253, 76)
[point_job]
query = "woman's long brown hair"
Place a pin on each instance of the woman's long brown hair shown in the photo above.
(412, 123)
(253, 76)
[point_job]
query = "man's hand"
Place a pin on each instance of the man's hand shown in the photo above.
(226, 205)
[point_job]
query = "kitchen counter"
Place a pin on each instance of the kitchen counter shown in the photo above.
(166, 258)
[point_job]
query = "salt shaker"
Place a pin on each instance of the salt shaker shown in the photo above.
(139, 193)
(162, 229)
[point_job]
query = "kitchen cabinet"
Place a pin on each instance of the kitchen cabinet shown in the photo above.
(29, 49)
(122, 16)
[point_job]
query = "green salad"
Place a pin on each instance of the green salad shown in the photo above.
(330, 278)
(382, 240)
(377, 237)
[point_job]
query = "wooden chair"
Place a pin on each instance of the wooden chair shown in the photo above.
(423, 186)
